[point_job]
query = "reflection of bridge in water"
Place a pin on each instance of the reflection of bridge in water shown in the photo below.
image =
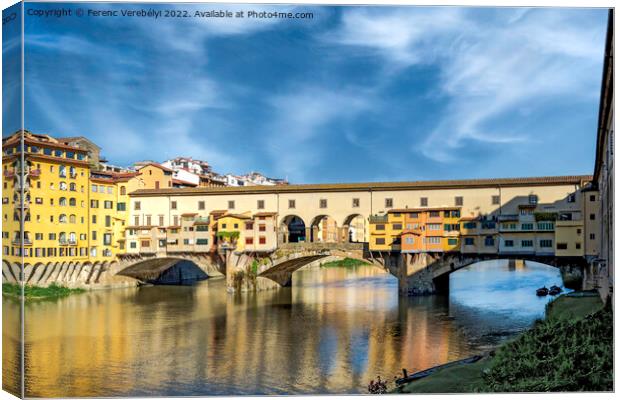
(419, 273)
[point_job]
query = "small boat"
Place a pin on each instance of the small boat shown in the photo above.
(543, 291)
(555, 290)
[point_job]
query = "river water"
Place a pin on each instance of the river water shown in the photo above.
(333, 331)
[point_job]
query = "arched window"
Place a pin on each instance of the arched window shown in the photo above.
(72, 187)
(72, 219)
(72, 202)
(72, 172)
(62, 218)
(62, 171)
(52, 186)
(62, 185)
(62, 237)
(72, 238)
(62, 201)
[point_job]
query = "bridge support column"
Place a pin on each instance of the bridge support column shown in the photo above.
(415, 278)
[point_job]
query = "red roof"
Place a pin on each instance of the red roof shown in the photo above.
(157, 166)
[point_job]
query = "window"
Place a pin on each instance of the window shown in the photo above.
(532, 199)
(546, 243)
(527, 243)
(109, 190)
(433, 214)
(94, 219)
(433, 240)
(123, 190)
(409, 240)
(72, 202)
(94, 188)
(453, 241)
(161, 220)
(133, 245)
(592, 236)
(202, 228)
(121, 207)
(489, 241)
(93, 235)
(592, 197)
(570, 198)
(260, 204)
(380, 227)
(107, 239)
(527, 227)
(578, 245)
(469, 241)
(72, 187)
(433, 227)
(62, 201)
(262, 228)
(380, 241)
(201, 205)
(356, 203)
(231, 204)
(389, 203)
(592, 217)
(578, 231)
(108, 204)
(323, 203)
(146, 243)
(458, 201)
(136, 220)
(495, 200)
(173, 205)
(469, 225)
(148, 220)
(424, 202)
(545, 226)
(249, 240)
(249, 226)
(397, 227)
(413, 215)
(291, 204)
(202, 242)
(509, 243)
(136, 205)
(561, 246)
(262, 240)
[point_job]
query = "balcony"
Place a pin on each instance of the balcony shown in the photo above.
(35, 173)
(17, 242)
(508, 217)
(378, 219)
(63, 242)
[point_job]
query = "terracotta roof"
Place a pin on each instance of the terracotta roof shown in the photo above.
(238, 216)
(182, 182)
(140, 227)
(188, 214)
(156, 166)
(218, 212)
(422, 209)
(265, 214)
(469, 218)
(373, 186)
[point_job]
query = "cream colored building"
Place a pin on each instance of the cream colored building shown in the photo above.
(527, 201)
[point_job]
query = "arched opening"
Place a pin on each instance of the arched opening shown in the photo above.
(292, 229)
(355, 228)
(324, 230)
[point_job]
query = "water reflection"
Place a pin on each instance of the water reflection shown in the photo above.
(332, 332)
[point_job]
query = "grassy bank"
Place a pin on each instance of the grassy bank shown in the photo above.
(570, 350)
(38, 292)
(347, 263)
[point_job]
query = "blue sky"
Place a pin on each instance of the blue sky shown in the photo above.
(354, 94)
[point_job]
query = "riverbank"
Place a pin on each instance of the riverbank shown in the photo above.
(570, 350)
(38, 292)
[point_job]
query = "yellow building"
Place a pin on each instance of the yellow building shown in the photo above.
(55, 200)
(153, 176)
(386, 230)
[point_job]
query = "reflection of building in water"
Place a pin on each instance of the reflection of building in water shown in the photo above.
(180, 340)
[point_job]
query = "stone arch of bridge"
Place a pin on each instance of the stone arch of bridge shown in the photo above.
(150, 268)
(292, 229)
(325, 229)
(355, 228)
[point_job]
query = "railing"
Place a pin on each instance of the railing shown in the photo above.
(17, 242)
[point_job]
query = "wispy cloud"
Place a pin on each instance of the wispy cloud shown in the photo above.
(488, 65)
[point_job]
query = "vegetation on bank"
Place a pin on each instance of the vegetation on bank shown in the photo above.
(38, 292)
(570, 350)
(347, 263)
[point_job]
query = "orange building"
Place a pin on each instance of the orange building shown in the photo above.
(430, 229)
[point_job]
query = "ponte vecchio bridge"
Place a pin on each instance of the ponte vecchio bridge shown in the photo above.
(418, 231)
